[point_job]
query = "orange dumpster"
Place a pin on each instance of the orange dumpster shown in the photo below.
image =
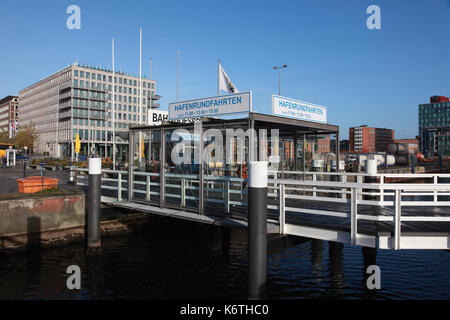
(35, 184)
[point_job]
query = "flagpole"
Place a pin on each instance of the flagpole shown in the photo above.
(113, 111)
(178, 74)
(140, 93)
(218, 70)
(151, 91)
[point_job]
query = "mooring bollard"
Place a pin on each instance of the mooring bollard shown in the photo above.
(71, 174)
(257, 229)
(95, 171)
(371, 169)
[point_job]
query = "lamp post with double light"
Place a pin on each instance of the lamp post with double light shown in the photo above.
(279, 76)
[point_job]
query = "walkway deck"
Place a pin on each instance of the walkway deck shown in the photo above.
(410, 215)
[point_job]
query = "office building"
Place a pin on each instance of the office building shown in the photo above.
(79, 100)
(366, 139)
(434, 126)
(9, 114)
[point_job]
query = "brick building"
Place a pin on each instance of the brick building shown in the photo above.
(366, 139)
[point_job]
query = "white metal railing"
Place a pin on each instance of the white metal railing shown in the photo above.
(218, 189)
(344, 188)
(398, 193)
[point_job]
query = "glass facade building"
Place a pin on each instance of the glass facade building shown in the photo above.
(434, 126)
(79, 100)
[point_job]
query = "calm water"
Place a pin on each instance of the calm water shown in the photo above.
(177, 259)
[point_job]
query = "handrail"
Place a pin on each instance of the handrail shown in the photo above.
(363, 174)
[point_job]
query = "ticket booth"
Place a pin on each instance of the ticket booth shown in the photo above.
(190, 162)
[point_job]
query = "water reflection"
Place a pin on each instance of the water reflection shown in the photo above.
(173, 259)
(335, 267)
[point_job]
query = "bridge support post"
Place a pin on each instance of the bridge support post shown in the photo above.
(257, 229)
(93, 221)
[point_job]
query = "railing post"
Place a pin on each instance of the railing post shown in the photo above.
(147, 189)
(130, 165)
(359, 180)
(314, 178)
(435, 182)
(226, 196)
(282, 209)
(354, 216)
(241, 183)
(397, 223)
(76, 178)
(344, 180)
(119, 186)
(382, 189)
(183, 192)
(275, 185)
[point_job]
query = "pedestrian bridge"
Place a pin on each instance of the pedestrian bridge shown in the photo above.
(385, 211)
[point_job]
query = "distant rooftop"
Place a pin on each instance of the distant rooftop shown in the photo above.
(107, 69)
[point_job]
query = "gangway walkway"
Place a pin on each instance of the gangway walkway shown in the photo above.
(392, 211)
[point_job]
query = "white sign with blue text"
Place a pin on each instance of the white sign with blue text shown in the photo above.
(298, 109)
(211, 107)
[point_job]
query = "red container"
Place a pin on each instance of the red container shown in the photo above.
(35, 184)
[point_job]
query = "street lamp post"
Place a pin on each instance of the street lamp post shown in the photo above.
(279, 76)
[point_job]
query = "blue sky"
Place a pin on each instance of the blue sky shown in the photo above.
(373, 77)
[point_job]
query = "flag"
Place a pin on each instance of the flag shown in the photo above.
(77, 144)
(225, 83)
(142, 147)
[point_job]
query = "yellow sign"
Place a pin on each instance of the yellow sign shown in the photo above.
(142, 147)
(77, 144)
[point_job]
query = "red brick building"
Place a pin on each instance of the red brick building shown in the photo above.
(366, 139)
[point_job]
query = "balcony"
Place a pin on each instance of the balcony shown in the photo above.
(90, 87)
(65, 105)
(65, 95)
(65, 115)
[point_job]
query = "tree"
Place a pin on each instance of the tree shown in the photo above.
(26, 136)
(4, 136)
